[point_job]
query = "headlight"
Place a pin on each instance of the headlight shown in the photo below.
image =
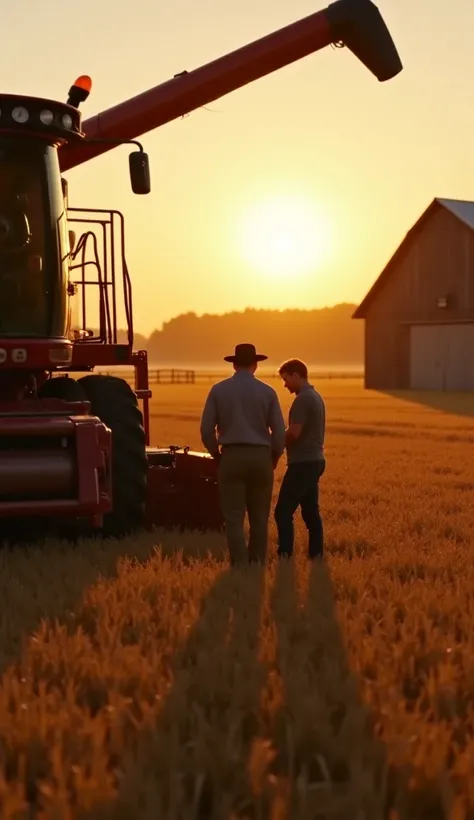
(20, 114)
(67, 121)
(46, 117)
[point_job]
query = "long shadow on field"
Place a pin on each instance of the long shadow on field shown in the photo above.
(457, 404)
(327, 750)
(48, 581)
(191, 763)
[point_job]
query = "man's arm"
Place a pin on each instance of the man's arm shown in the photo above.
(299, 415)
(277, 427)
(208, 425)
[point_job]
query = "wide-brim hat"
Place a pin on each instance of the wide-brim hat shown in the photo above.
(245, 354)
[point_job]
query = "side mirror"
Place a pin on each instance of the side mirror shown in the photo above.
(139, 172)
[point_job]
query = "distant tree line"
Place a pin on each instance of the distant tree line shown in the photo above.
(326, 336)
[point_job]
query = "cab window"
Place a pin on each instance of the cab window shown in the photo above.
(25, 294)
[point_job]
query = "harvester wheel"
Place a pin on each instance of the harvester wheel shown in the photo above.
(63, 388)
(114, 402)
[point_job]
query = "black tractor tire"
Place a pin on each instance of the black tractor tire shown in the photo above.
(63, 388)
(114, 402)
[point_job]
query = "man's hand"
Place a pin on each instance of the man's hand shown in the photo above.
(292, 433)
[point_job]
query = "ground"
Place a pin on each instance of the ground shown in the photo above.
(145, 679)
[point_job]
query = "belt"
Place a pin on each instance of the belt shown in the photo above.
(244, 444)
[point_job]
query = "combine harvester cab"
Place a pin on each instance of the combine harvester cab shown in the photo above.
(75, 449)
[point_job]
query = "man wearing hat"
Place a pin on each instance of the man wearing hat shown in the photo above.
(242, 425)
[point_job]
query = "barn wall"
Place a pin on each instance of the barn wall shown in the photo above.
(439, 261)
(387, 361)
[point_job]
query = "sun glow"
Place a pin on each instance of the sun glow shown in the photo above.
(284, 237)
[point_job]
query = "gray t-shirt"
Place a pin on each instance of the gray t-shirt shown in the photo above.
(309, 410)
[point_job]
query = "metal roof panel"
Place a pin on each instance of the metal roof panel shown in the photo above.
(463, 209)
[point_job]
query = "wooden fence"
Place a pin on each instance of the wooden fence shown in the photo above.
(161, 376)
(172, 376)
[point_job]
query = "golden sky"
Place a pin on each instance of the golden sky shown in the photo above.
(336, 163)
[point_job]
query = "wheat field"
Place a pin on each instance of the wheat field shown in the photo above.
(146, 679)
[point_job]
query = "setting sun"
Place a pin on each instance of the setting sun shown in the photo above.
(284, 237)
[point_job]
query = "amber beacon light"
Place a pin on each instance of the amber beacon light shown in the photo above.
(79, 90)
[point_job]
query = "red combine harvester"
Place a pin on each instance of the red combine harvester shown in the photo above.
(75, 450)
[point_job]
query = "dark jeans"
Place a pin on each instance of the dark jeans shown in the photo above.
(300, 488)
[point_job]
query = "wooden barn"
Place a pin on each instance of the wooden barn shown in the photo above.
(419, 314)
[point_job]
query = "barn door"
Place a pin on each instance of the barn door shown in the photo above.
(426, 358)
(442, 357)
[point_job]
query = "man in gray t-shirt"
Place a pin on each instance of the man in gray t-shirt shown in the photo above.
(306, 461)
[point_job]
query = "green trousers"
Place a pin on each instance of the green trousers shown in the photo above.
(245, 479)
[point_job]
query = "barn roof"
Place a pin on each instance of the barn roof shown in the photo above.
(461, 208)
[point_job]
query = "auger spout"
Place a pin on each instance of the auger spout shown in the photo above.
(357, 24)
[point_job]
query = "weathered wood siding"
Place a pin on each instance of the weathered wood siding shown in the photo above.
(387, 353)
(438, 262)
